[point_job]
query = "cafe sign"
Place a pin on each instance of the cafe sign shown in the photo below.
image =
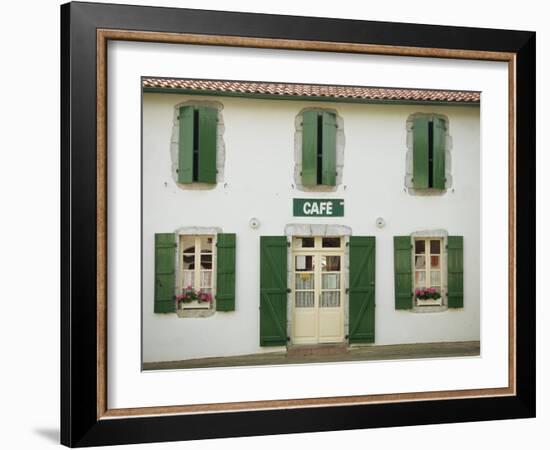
(311, 207)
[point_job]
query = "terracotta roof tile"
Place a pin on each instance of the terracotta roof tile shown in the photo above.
(314, 90)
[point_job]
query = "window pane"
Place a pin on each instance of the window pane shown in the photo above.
(305, 299)
(188, 262)
(206, 244)
(330, 263)
(305, 280)
(304, 263)
(330, 299)
(420, 262)
(188, 278)
(188, 244)
(206, 278)
(305, 242)
(331, 281)
(434, 261)
(435, 278)
(435, 247)
(420, 279)
(420, 247)
(206, 261)
(331, 242)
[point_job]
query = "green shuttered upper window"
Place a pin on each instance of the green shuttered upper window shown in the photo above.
(429, 136)
(319, 148)
(198, 131)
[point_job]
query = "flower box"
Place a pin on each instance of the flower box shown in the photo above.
(195, 304)
(428, 302)
(193, 299)
(428, 297)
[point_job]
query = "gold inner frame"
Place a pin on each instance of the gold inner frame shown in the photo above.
(103, 36)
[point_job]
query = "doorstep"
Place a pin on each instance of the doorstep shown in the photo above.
(300, 351)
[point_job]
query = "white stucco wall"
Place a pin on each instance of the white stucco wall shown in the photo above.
(259, 180)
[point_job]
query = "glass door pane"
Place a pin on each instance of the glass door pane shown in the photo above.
(330, 281)
(304, 284)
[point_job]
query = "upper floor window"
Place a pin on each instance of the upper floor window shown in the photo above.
(318, 148)
(429, 138)
(197, 144)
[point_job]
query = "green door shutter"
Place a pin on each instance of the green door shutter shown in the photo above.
(273, 290)
(420, 152)
(208, 136)
(225, 272)
(165, 273)
(361, 288)
(329, 149)
(403, 272)
(185, 146)
(439, 133)
(455, 271)
(309, 148)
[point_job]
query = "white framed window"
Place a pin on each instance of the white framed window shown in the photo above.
(197, 271)
(429, 273)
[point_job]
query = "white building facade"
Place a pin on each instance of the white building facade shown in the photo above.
(279, 214)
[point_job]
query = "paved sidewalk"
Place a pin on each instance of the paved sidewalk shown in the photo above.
(354, 353)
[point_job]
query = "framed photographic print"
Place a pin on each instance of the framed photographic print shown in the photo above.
(277, 224)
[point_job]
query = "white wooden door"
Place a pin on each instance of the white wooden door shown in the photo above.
(317, 311)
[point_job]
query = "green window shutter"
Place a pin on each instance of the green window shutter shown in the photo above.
(165, 273)
(208, 136)
(309, 148)
(361, 288)
(225, 272)
(455, 271)
(420, 152)
(439, 136)
(329, 149)
(185, 145)
(402, 255)
(273, 290)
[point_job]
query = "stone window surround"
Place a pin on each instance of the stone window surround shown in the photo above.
(340, 144)
(311, 230)
(183, 231)
(438, 233)
(409, 157)
(220, 145)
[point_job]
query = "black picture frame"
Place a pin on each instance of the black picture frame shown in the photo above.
(80, 424)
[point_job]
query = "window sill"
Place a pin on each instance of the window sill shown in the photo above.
(197, 186)
(318, 188)
(429, 309)
(426, 191)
